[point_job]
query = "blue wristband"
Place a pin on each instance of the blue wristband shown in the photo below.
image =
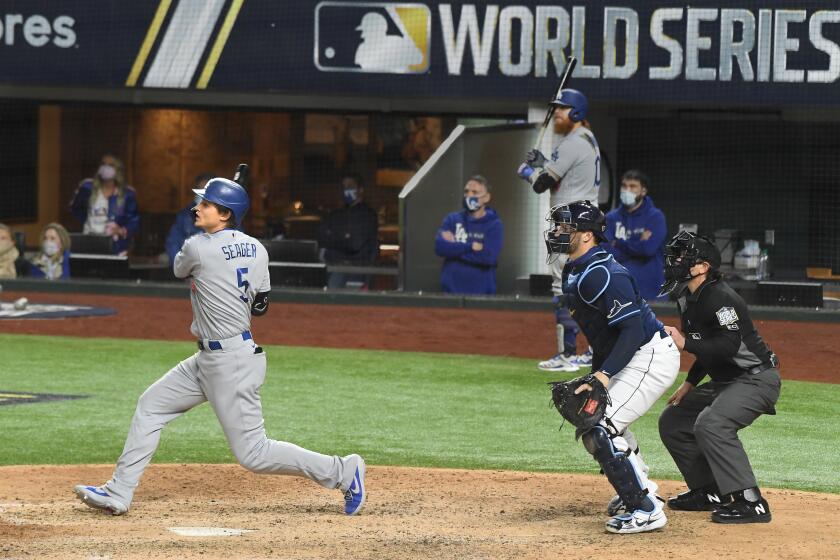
(525, 171)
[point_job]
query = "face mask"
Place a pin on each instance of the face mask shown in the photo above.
(350, 196)
(106, 172)
(471, 203)
(50, 248)
(628, 198)
(5, 245)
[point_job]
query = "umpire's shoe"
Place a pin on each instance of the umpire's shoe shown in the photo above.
(699, 499)
(97, 497)
(747, 507)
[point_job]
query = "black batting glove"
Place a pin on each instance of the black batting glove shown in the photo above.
(534, 158)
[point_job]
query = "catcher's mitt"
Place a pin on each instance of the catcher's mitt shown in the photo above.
(585, 409)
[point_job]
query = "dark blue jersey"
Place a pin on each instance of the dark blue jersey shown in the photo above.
(604, 300)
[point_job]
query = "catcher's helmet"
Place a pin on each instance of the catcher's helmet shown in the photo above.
(576, 100)
(227, 193)
(566, 219)
(682, 252)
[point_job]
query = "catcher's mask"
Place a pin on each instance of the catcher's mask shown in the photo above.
(681, 254)
(566, 219)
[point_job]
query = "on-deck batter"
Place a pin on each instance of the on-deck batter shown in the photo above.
(573, 173)
(230, 282)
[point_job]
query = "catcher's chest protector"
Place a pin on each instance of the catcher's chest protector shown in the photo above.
(590, 317)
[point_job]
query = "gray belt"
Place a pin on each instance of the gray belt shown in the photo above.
(772, 363)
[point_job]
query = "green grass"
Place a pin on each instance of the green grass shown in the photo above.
(396, 408)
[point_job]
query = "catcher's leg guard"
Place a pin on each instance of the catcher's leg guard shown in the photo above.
(618, 468)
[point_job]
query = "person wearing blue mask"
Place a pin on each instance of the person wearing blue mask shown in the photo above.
(470, 241)
(350, 235)
(636, 233)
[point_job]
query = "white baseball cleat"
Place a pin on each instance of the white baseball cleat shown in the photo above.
(582, 360)
(559, 362)
(638, 522)
(97, 497)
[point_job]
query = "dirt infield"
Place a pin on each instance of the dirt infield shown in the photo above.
(805, 349)
(410, 514)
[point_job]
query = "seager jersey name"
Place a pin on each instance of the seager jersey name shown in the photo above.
(239, 250)
(227, 268)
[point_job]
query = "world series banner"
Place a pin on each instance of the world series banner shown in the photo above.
(708, 51)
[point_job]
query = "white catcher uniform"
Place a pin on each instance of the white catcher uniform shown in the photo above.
(227, 268)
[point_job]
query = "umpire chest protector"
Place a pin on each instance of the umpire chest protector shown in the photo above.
(719, 331)
(584, 281)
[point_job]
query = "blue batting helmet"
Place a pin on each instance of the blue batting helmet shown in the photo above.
(576, 100)
(227, 193)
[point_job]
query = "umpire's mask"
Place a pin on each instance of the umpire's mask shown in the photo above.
(681, 254)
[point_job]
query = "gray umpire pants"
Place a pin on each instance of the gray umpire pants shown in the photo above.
(701, 433)
(230, 379)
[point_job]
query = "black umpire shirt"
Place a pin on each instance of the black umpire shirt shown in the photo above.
(719, 332)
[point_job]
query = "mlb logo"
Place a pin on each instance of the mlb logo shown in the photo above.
(372, 37)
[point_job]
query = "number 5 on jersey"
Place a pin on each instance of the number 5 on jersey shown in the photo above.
(241, 282)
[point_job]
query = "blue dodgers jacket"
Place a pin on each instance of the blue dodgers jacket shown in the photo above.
(466, 271)
(183, 228)
(643, 259)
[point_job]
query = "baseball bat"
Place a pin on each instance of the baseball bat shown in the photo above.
(242, 175)
(549, 114)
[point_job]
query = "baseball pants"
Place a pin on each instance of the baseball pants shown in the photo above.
(230, 380)
(635, 389)
(701, 433)
(567, 328)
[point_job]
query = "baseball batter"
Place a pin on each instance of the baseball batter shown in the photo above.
(573, 173)
(230, 282)
(632, 356)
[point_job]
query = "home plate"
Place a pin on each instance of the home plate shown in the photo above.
(208, 531)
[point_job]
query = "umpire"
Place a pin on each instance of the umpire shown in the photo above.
(700, 428)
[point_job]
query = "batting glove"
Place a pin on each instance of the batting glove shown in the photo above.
(525, 171)
(535, 158)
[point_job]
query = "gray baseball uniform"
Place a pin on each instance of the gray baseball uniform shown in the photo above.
(227, 268)
(576, 161)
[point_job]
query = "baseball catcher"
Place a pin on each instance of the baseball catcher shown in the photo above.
(633, 359)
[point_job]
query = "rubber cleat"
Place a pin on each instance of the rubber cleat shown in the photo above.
(637, 522)
(354, 497)
(699, 499)
(97, 497)
(742, 511)
(582, 360)
(559, 362)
